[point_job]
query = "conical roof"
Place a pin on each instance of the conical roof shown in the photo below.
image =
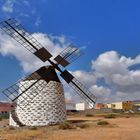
(46, 73)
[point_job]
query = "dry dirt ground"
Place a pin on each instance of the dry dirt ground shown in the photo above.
(120, 128)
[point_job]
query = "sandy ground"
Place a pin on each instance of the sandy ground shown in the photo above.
(121, 128)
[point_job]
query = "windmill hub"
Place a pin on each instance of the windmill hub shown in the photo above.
(47, 73)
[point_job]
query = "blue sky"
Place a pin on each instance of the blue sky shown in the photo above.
(102, 27)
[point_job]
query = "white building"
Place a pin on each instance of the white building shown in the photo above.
(115, 105)
(70, 106)
(82, 106)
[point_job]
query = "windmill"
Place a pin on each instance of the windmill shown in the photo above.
(38, 99)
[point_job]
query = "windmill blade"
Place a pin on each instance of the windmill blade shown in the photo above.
(83, 92)
(68, 55)
(22, 86)
(14, 29)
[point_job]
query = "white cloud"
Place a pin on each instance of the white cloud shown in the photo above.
(137, 60)
(26, 3)
(88, 78)
(27, 60)
(101, 92)
(24, 15)
(110, 63)
(115, 71)
(8, 6)
(29, 63)
(120, 82)
(38, 21)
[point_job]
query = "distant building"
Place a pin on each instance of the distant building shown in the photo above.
(100, 106)
(82, 106)
(70, 105)
(136, 102)
(122, 106)
(115, 105)
(136, 105)
(125, 105)
(5, 107)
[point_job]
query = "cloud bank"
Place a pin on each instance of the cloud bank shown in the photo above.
(114, 69)
(17, 8)
(27, 60)
(118, 81)
(8, 6)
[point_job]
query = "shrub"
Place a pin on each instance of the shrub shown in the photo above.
(11, 128)
(127, 116)
(89, 115)
(4, 116)
(109, 116)
(66, 125)
(102, 123)
(81, 125)
(1, 118)
(33, 128)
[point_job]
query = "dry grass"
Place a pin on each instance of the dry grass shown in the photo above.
(24, 134)
(110, 116)
(82, 125)
(89, 115)
(82, 128)
(66, 125)
(102, 123)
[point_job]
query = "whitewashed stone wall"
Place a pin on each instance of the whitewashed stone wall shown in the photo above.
(45, 108)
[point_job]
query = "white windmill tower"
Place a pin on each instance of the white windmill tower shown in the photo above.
(39, 98)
